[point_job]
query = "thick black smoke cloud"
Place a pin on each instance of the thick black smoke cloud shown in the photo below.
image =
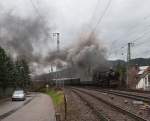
(22, 34)
(85, 55)
(28, 38)
(24, 37)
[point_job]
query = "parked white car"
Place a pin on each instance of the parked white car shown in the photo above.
(18, 95)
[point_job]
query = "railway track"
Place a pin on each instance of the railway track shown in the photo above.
(95, 111)
(123, 94)
(134, 90)
(117, 108)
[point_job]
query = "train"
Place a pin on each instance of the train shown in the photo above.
(106, 79)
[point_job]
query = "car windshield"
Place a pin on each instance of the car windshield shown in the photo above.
(18, 92)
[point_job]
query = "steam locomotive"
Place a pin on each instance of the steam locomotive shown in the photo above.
(103, 79)
(106, 79)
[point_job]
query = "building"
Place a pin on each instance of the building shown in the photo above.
(133, 77)
(143, 78)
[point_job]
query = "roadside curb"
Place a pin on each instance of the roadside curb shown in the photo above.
(5, 99)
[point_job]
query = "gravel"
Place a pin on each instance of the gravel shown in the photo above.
(134, 93)
(126, 103)
(77, 110)
(109, 112)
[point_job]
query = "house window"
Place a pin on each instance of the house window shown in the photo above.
(146, 81)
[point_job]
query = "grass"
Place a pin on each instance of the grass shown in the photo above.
(57, 96)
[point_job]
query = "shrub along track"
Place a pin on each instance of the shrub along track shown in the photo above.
(115, 108)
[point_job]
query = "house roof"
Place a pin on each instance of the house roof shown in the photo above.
(142, 69)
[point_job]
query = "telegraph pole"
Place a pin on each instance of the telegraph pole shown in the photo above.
(129, 52)
(58, 41)
(58, 50)
(128, 62)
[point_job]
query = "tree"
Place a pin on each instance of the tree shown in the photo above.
(26, 73)
(6, 67)
(10, 70)
(22, 73)
(121, 70)
(13, 74)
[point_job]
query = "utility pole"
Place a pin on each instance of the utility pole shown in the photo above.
(58, 41)
(129, 52)
(58, 50)
(128, 62)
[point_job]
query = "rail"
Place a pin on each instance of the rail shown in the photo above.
(122, 94)
(96, 112)
(118, 108)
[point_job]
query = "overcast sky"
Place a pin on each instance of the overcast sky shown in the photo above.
(124, 21)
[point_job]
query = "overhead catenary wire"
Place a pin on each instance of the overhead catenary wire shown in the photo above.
(147, 52)
(100, 18)
(36, 9)
(137, 41)
(131, 33)
(141, 43)
(95, 9)
(132, 41)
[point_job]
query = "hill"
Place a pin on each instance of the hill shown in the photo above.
(138, 61)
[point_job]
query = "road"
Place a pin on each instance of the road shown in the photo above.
(37, 107)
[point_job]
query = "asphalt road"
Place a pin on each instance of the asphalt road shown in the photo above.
(37, 107)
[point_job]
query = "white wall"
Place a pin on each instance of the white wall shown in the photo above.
(143, 83)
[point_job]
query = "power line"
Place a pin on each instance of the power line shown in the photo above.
(36, 9)
(142, 53)
(140, 43)
(40, 17)
(145, 32)
(101, 17)
(96, 7)
(145, 51)
(133, 41)
(147, 17)
(137, 38)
